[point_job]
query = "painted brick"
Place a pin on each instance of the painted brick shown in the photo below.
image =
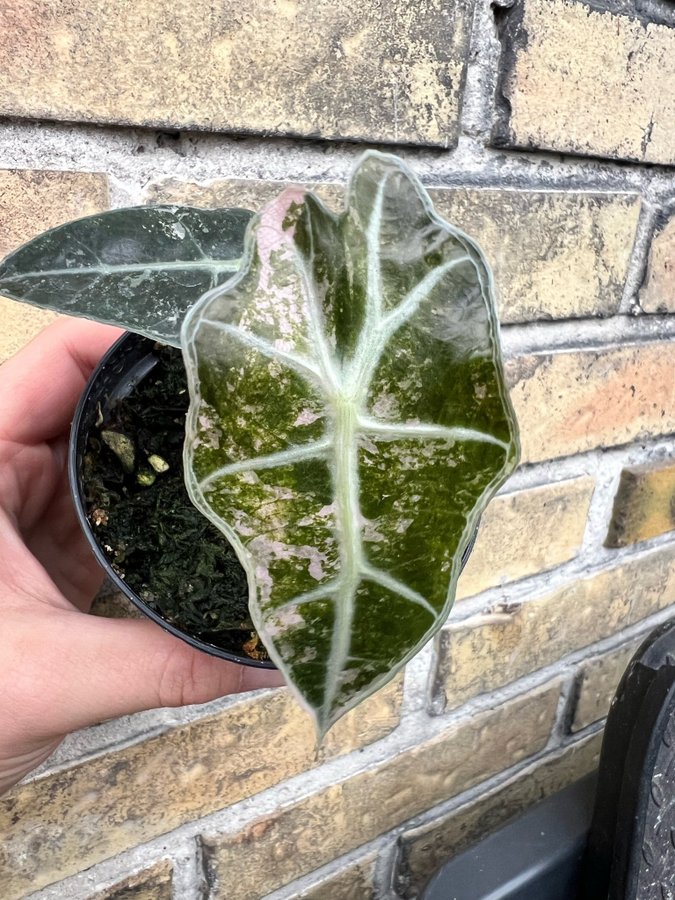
(644, 505)
(238, 192)
(572, 401)
(598, 681)
(355, 881)
(335, 69)
(489, 650)
(424, 849)
(555, 255)
(150, 884)
(65, 822)
(32, 201)
(295, 840)
(658, 292)
(583, 80)
(527, 532)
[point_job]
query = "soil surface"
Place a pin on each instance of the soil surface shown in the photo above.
(173, 558)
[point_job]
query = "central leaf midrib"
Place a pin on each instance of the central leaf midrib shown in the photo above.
(132, 268)
(348, 526)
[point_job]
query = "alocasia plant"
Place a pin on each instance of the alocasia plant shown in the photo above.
(349, 420)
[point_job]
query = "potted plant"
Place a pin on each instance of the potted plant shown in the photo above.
(347, 418)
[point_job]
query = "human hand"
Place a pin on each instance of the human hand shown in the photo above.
(61, 669)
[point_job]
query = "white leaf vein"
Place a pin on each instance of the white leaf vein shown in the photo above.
(301, 364)
(311, 450)
(226, 265)
(422, 431)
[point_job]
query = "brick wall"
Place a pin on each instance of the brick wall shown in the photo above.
(546, 129)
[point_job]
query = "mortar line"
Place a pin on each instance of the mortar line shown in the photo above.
(210, 156)
(475, 120)
(637, 265)
(312, 880)
(613, 333)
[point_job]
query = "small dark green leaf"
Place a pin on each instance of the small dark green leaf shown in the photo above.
(141, 268)
(349, 423)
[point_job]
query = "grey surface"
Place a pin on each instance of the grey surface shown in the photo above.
(536, 857)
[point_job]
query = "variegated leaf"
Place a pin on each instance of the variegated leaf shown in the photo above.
(349, 423)
(141, 268)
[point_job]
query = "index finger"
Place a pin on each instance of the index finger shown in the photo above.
(40, 386)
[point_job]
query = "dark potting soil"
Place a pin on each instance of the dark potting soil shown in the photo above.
(173, 558)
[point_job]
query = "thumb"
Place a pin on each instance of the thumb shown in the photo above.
(90, 669)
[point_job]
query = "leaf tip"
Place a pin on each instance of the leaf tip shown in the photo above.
(321, 728)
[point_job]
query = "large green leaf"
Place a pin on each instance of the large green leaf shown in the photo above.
(141, 268)
(349, 423)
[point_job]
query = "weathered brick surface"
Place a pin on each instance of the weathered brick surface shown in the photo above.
(569, 402)
(658, 291)
(278, 848)
(644, 505)
(67, 821)
(582, 80)
(598, 681)
(348, 69)
(490, 650)
(238, 192)
(150, 884)
(32, 201)
(425, 848)
(527, 532)
(555, 255)
(355, 881)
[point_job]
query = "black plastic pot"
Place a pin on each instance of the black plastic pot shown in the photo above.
(120, 371)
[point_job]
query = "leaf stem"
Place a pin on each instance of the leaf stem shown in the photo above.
(347, 518)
